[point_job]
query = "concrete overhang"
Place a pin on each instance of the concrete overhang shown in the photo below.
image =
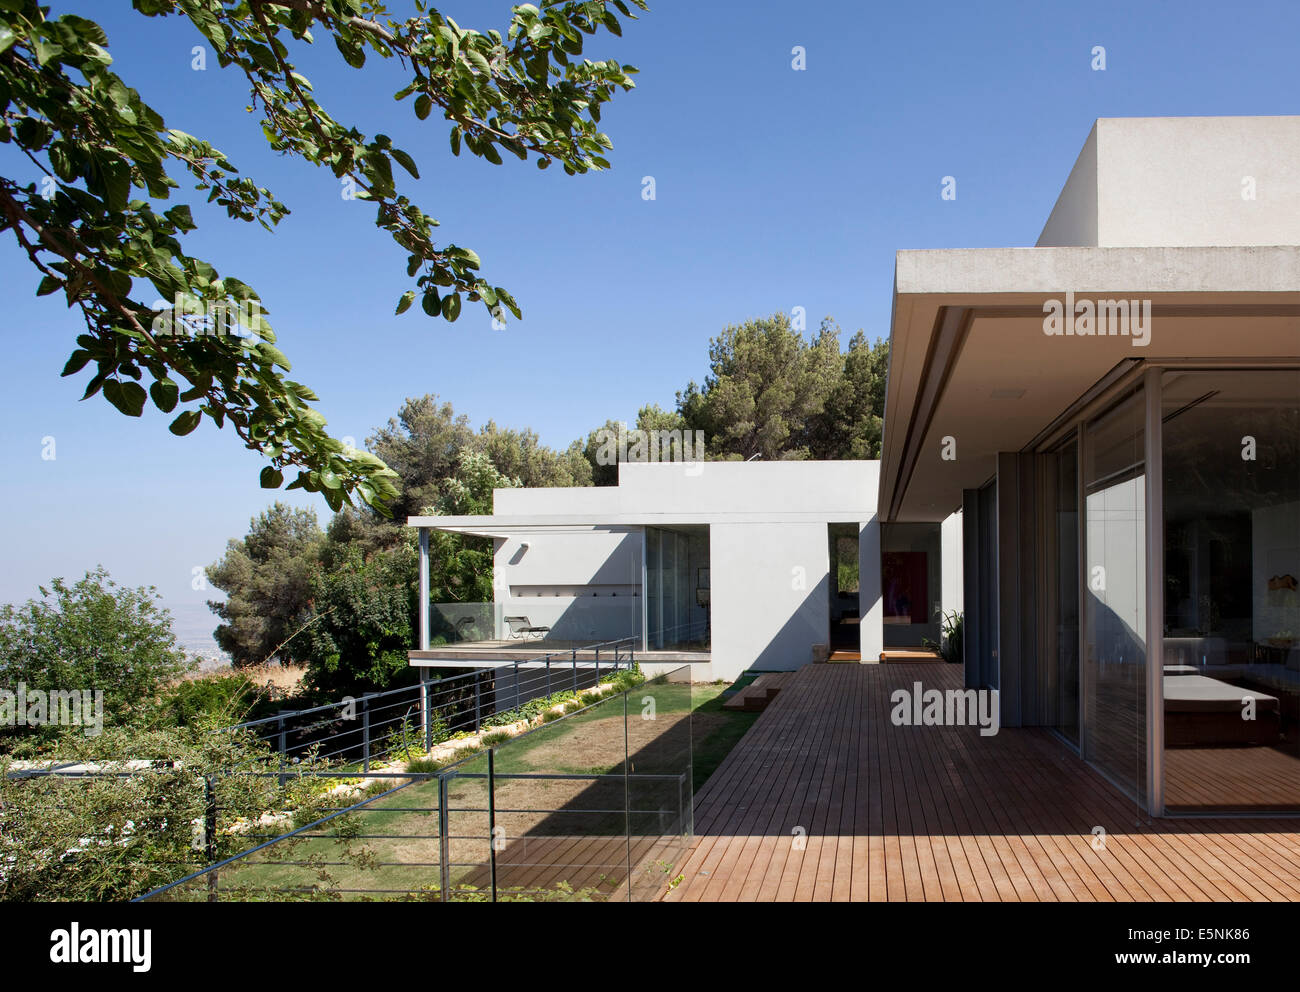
(970, 360)
(511, 526)
(504, 528)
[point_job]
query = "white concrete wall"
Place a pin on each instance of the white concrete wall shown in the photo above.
(1179, 181)
(584, 584)
(769, 560)
(771, 603)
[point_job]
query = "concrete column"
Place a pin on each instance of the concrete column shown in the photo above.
(950, 555)
(871, 609)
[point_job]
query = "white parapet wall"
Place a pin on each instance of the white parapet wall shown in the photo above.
(1182, 181)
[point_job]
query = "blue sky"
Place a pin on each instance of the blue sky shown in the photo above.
(775, 188)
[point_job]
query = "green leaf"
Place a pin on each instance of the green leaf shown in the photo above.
(451, 307)
(273, 354)
(405, 302)
(431, 304)
(353, 54)
(165, 393)
(405, 161)
(271, 478)
(185, 423)
(423, 104)
(128, 397)
(76, 362)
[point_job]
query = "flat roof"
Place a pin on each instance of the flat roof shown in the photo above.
(970, 360)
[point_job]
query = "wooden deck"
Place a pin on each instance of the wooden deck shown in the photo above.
(941, 813)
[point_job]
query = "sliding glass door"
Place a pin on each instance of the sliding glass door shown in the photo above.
(1232, 589)
(1115, 584)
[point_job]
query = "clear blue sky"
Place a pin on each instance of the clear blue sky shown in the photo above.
(775, 188)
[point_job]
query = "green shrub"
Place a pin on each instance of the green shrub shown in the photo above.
(114, 837)
(219, 700)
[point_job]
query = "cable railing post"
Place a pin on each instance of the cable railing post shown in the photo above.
(210, 833)
(575, 671)
(478, 701)
(548, 675)
(597, 682)
(426, 691)
(492, 819)
(516, 686)
(365, 734)
(444, 868)
(283, 748)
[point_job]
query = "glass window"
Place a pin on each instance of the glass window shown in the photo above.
(1232, 589)
(1115, 576)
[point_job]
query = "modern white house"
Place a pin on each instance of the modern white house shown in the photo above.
(1091, 450)
(726, 566)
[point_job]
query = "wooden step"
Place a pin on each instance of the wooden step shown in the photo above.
(754, 697)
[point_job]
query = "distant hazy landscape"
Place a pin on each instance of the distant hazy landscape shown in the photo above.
(194, 623)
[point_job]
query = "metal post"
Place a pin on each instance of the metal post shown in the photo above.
(210, 832)
(365, 734)
(478, 701)
(1154, 511)
(516, 686)
(548, 674)
(283, 748)
(424, 707)
(597, 682)
(444, 867)
(575, 671)
(426, 695)
(492, 819)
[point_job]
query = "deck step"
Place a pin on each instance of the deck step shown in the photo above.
(755, 696)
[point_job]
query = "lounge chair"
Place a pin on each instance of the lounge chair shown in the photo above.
(523, 628)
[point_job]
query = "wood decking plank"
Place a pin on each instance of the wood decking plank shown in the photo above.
(912, 813)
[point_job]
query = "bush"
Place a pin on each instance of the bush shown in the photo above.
(114, 837)
(216, 701)
(93, 635)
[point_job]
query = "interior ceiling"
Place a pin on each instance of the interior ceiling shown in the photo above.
(1009, 356)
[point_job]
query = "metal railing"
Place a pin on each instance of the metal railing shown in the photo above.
(363, 730)
(594, 805)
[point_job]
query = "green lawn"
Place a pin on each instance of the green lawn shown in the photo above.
(395, 847)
